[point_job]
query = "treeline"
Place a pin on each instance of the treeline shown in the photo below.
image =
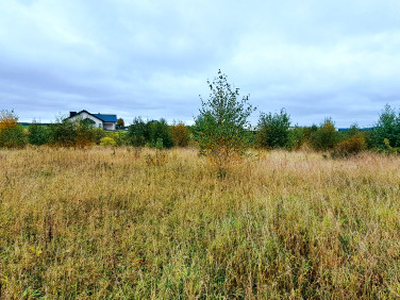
(80, 134)
(273, 131)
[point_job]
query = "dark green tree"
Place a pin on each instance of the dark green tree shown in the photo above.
(137, 134)
(38, 134)
(387, 127)
(273, 130)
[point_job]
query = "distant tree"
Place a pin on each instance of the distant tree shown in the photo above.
(151, 133)
(62, 132)
(221, 125)
(180, 135)
(11, 133)
(325, 137)
(38, 134)
(273, 130)
(387, 127)
(160, 134)
(137, 134)
(296, 138)
(120, 124)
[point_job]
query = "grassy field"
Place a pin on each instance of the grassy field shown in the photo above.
(131, 224)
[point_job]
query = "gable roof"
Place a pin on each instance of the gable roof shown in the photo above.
(102, 117)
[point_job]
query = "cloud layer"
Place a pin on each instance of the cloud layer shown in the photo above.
(153, 58)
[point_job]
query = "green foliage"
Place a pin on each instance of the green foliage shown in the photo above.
(85, 133)
(220, 129)
(387, 127)
(159, 134)
(98, 134)
(180, 135)
(11, 133)
(67, 133)
(273, 130)
(137, 133)
(62, 133)
(38, 134)
(325, 137)
(296, 137)
(152, 133)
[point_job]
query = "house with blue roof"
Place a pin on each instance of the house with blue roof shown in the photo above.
(107, 122)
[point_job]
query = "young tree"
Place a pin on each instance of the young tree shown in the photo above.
(180, 135)
(38, 134)
(221, 125)
(326, 137)
(273, 130)
(120, 124)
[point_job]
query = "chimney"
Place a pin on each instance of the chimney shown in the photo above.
(72, 113)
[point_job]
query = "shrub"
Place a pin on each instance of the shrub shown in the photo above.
(160, 134)
(296, 138)
(152, 133)
(221, 126)
(349, 147)
(137, 134)
(180, 135)
(325, 137)
(11, 133)
(38, 134)
(62, 133)
(85, 134)
(108, 141)
(387, 127)
(273, 130)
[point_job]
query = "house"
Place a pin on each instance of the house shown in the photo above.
(107, 122)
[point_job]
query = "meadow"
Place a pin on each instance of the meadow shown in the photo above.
(143, 223)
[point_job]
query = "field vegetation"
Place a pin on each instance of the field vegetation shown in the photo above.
(276, 211)
(105, 222)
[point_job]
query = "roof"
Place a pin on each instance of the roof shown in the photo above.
(106, 118)
(102, 117)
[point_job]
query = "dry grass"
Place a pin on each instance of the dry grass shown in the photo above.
(98, 223)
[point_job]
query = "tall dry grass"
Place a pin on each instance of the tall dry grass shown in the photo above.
(126, 223)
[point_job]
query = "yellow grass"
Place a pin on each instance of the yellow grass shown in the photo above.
(137, 224)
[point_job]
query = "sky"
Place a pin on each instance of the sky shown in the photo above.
(315, 58)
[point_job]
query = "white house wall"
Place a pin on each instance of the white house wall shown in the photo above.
(109, 126)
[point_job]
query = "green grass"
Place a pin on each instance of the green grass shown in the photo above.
(136, 224)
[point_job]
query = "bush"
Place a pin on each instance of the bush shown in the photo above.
(180, 135)
(349, 147)
(151, 133)
(108, 141)
(160, 134)
(325, 137)
(11, 133)
(387, 127)
(296, 138)
(67, 133)
(137, 134)
(85, 134)
(38, 134)
(273, 130)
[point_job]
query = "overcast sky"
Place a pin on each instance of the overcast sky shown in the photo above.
(316, 58)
